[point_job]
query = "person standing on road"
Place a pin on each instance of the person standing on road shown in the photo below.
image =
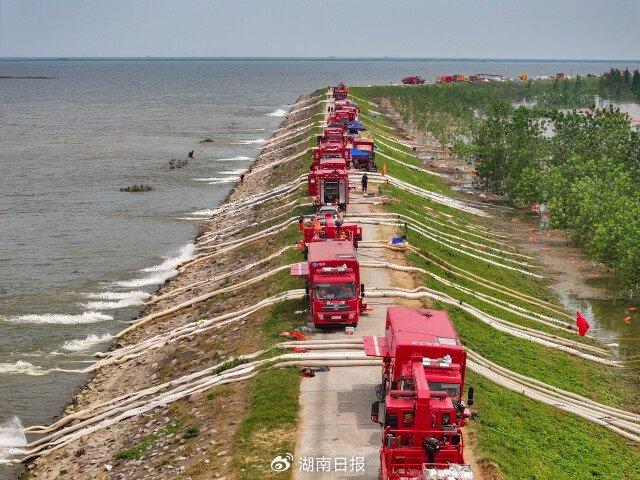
(365, 182)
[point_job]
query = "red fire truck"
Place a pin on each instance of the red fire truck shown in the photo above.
(329, 186)
(363, 154)
(332, 283)
(422, 386)
(340, 92)
(413, 80)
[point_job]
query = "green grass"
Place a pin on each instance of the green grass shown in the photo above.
(135, 452)
(608, 385)
(220, 391)
(270, 429)
(282, 319)
(528, 440)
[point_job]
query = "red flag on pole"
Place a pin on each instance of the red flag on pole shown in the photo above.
(582, 324)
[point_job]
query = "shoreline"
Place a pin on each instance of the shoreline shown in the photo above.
(114, 380)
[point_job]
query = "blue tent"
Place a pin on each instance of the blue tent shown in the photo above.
(357, 153)
(355, 125)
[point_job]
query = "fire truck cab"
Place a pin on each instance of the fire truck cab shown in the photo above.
(333, 283)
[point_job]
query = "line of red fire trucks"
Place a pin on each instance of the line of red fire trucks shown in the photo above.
(423, 359)
(331, 269)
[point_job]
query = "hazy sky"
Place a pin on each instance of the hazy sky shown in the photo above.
(576, 29)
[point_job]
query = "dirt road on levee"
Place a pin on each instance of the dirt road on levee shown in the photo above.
(337, 439)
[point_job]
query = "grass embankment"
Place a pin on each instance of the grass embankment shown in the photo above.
(240, 427)
(586, 173)
(523, 438)
(269, 429)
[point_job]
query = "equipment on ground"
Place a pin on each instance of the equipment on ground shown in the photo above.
(413, 80)
(325, 226)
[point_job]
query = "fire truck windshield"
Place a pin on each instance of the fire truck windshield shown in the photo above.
(332, 291)
(452, 389)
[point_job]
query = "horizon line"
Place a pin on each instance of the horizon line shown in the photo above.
(324, 58)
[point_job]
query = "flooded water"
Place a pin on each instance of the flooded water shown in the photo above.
(77, 256)
(614, 322)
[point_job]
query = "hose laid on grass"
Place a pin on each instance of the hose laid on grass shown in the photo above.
(237, 244)
(395, 140)
(278, 162)
(202, 247)
(341, 344)
(459, 272)
(288, 126)
(352, 96)
(391, 147)
(412, 167)
(496, 302)
(293, 112)
(285, 147)
(461, 250)
(460, 241)
(369, 119)
(430, 219)
(187, 330)
(436, 197)
(623, 423)
(276, 193)
(218, 278)
(219, 234)
(274, 140)
(137, 404)
(204, 298)
(96, 418)
(533, 335)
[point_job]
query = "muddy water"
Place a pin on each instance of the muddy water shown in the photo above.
(614, 320)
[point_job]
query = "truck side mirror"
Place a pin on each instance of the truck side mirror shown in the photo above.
(470, 396)
(375, 412)
(362, 289)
